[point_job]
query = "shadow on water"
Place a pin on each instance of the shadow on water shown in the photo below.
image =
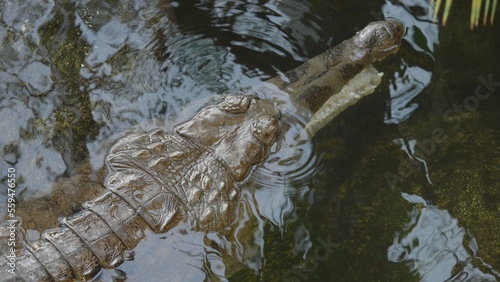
(401, 187)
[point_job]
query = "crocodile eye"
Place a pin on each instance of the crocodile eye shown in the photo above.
(235, 104)
(265, 129)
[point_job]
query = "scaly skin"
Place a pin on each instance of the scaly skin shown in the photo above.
(319, 78)
(159, 178)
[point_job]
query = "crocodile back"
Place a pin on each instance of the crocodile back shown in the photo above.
(166, 178)
(156, 179)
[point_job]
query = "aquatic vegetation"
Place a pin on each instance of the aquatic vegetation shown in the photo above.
(475, 15)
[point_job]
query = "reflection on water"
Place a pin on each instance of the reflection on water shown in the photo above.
(286, 174)
(128, 64)
(78, 75)
(410, 80)
(434, 246)
(406, 86)
(422, 32)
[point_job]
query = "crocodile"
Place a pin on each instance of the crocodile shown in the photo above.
(191, 173)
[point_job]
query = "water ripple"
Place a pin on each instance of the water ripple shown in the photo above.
(294, 163)
(287, 173)
(433, 245)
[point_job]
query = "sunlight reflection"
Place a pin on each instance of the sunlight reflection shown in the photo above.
(435, 247)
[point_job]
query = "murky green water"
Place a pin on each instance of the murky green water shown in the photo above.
(404, 186)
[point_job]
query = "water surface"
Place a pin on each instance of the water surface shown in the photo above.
(403, 186)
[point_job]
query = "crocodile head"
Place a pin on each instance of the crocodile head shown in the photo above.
(380, 38)
(239, 130)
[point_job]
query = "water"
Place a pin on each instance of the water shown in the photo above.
(401, 187)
